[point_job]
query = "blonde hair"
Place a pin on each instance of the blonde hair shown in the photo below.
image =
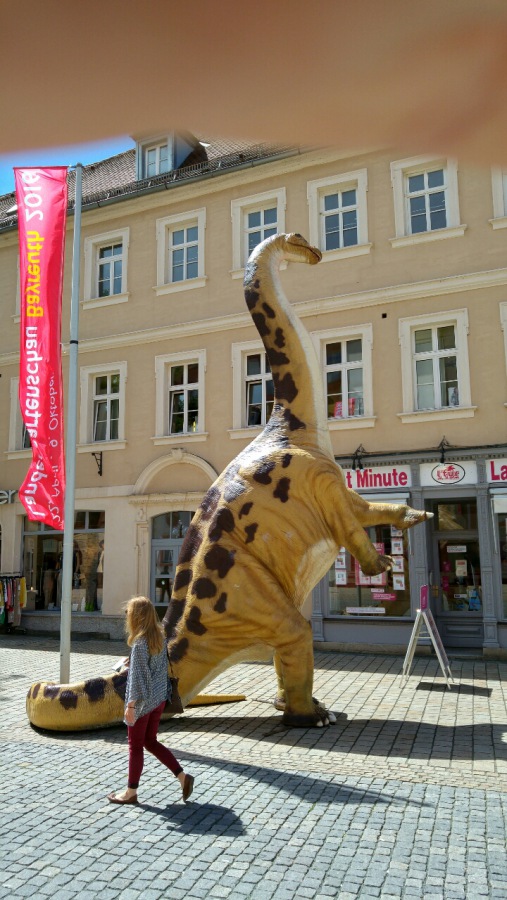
(141, 621)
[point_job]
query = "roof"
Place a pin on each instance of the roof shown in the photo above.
(114, 179)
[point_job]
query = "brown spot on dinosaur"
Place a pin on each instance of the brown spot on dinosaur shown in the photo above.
(282, 490)
(221, 604)
(261, 475)
(194, 623)
(223, 521)
(245, 509)
(250, 532)
(219, 559)
(190, 546)
(204, 588)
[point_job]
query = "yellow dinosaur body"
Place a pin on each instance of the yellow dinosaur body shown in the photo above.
(266, 532)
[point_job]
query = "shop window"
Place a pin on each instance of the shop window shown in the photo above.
(254, 219)
(426, 203)
(502, 526)
(435, 368)
(43, 558)
(353, 593)
(338, 215)
(459, 516)
(180, 252)
(179, 397)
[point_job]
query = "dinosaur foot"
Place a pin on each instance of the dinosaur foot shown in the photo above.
(320, 717)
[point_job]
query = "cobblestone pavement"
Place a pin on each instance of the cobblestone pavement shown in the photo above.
(405, 796)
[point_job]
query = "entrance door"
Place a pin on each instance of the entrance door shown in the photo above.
(164, 559)
(458, 583)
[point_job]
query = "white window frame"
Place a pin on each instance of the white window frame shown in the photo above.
(329, 336)
(87, 377)
(499, 192)
(163, 366)
(154, 143)
(92, 246)
(239, 211)
(400, 170)
(316, 190)
(406, 329)
(239, 354)
(164, 227)
(15, 448)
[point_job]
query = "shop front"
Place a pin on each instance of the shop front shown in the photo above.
(461, 553)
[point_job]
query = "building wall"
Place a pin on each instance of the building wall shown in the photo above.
(386, 283)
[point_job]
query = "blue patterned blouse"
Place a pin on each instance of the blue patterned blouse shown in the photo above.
(147, 682)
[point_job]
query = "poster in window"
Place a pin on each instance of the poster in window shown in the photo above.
(461, 568)
(398, 563)
(396, 532)
(340, 561)
(363, 580)
(398, 582)
(338, 409)
(397, 547)
(340, 576)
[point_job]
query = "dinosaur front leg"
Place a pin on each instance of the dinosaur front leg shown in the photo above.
(398, 514)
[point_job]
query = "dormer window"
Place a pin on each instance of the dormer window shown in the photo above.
(160, 154)
(156, 159)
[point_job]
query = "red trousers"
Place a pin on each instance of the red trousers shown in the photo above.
(144, 735)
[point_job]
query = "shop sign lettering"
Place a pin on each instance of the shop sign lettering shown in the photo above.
(7, 497)
(448, 474)
(378, 477)
(496, 470)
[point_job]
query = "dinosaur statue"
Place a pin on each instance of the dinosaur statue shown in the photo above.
(265, 533)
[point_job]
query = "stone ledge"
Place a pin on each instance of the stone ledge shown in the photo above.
(88, 626)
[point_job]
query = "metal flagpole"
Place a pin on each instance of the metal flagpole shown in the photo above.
(70, 442)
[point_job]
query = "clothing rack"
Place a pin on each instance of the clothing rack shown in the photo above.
(12, 599)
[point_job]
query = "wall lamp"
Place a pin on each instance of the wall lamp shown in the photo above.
(443, 446)
(98, 459)
(357, 459)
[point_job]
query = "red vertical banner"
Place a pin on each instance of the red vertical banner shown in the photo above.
(41, 196)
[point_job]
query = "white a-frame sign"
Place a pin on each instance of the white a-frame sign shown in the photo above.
(425, 617)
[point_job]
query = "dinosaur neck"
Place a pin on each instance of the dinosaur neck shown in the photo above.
(298, 388)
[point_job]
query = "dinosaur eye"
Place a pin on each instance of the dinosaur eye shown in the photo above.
(298, 235)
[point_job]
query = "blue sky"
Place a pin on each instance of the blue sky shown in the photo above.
(59, 156)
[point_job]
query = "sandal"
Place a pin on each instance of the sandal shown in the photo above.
(188, 786)
(114, 799)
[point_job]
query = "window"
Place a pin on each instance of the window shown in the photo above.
(346, 362)
(503, 325)
(179, 404)
(180, 252)
(259, 391)
(349, 588)
(102, 414)
(252, 388)
(105, 268)
(344, 379)
(254, 219)
(426, 205)
(436, 373)
(156, 159)
(435, 370)
(43, 556)
(499, 190)
(106, 407)
(19, 438)
(338, 214)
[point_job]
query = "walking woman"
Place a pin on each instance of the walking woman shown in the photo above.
(145, 697)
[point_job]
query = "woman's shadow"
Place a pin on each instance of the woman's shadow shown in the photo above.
(202, 818)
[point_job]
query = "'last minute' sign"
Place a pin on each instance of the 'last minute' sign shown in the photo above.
(496, 470)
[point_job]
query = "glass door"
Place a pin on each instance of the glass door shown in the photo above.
(458, 566)
(164, 559)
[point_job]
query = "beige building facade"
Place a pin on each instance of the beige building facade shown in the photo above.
(407, 313)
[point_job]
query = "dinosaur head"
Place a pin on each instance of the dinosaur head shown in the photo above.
(297, 249)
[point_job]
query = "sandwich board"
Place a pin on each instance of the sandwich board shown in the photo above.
(425, 617)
